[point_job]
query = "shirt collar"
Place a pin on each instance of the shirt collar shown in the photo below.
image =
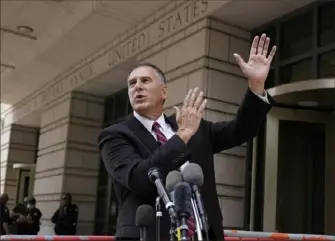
(147, 123)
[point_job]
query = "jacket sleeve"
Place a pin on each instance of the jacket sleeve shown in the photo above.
(76, 213)
(127, 168)
(54, 217)
(36, 216)
(227, 134)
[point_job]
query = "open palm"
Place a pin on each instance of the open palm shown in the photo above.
(258, 66)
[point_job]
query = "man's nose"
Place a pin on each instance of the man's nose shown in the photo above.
(138, 85)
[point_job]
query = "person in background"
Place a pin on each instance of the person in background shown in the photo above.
(18, 212)
(5, 219)
(27, 217)
(66, 216)
(33, 217)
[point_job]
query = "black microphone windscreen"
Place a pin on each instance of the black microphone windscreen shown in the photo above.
(172, 179)
(193, 174)
(145, 215)
(183, 195)
(153, 174)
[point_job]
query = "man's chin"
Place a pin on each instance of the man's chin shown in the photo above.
(140, 107)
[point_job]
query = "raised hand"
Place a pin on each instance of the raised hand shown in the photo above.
(258, 66)
(189, 116)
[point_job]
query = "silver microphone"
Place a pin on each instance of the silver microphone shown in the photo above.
(192, 173)
(197, 219)
(172, 179)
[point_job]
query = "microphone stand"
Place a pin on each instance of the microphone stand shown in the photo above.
(173, 228)
(172, 232)
(158, 218)
(197, 220)
(201, 213)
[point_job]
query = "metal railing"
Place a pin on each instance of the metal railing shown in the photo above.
(230, 235)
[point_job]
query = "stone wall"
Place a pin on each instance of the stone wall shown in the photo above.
(18, 145)
(68, 159)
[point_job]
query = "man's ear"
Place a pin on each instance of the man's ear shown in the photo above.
(165, 92)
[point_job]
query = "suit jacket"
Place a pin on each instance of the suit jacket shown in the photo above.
(129, 150)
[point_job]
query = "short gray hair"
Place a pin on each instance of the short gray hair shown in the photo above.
(158, 71)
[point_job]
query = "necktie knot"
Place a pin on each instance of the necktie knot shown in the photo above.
(155, 126)
(161, 138)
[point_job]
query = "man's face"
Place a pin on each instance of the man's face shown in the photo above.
(30, 205)
(146, 91)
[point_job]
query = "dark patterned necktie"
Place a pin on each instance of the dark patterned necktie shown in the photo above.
(161, 138)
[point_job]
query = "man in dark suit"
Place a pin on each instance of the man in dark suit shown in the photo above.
(150, 139)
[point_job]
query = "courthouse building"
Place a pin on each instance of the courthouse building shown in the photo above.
(63, 78)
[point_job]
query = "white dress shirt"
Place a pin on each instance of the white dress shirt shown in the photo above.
(166, 129)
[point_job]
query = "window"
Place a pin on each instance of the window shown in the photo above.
(270, 81)
(117, 107)
(327, 65)
(103, 176)
(109, 109)
(296, 36)
(121, 107)
(301, 55)
(298, 71)
(130, 108)
(327, 24)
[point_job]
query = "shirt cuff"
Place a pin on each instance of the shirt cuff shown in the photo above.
(263, 97)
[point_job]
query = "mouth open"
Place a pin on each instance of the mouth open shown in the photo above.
(139, 97)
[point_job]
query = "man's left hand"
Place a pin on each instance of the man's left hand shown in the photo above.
(258, 66)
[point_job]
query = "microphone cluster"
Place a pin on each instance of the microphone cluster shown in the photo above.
(182, 199)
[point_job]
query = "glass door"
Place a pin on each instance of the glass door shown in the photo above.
(24, 185)
(301, 177)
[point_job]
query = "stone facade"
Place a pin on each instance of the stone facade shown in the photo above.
(68, 159)
(18, 146)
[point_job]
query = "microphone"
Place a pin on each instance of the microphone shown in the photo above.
(158, 218)
(145, 216)
(173, 178)
(192, 173)
(183, 195)
(155, 177)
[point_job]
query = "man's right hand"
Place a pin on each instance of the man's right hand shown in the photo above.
(189, 116)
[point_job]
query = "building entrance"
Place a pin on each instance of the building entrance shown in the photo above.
(301, 177)
(25, 183)
(298, 171)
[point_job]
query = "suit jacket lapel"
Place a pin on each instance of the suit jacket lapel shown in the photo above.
(172, 121)
(142, 133)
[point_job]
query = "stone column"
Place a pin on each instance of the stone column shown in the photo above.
(18, 145)
(202, 56)
(68, 159)
(225, 88)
